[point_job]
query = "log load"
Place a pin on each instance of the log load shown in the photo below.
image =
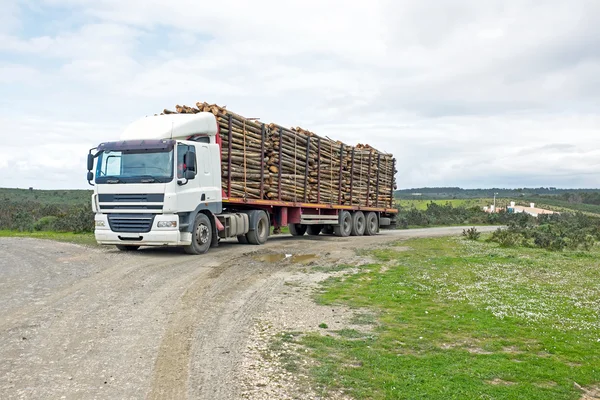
(269, 161)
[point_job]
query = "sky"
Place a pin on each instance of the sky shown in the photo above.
(469, 93)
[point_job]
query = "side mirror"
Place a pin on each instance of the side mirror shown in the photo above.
(189, 174)
(90, 162)
(90, 177)
(189, 160)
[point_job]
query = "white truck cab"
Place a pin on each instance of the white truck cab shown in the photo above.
(163, 171)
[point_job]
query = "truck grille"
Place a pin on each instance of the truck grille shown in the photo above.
(132, 198)
(135, 223)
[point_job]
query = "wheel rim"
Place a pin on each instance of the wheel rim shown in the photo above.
(360, 224)
(373, 224)
(348, 224)
(202, 234)
(261, 228)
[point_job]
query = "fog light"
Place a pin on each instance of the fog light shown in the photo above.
(99, 223)
(167, 224)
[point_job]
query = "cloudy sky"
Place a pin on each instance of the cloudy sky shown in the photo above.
(464, 93)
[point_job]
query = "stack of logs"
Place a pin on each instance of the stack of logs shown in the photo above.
(276, 163)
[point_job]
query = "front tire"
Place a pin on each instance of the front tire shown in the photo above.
(127, 248)
(260, 234)
(345, 226)
(201, 235)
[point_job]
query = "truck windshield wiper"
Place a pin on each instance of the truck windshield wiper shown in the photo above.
(113, 180)
(147, 179)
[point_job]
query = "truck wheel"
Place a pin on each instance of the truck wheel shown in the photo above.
(260, 234)
(297, 229)
(328, 230)
(201, 235)
(127, 248)
(314, 230)
(242, 239)
(372, 224)
(358, 224)
(345, 226)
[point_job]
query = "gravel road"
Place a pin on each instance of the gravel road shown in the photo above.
(95, 323)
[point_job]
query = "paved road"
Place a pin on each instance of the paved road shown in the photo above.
(81, 322)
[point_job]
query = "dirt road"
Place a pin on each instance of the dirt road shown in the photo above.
(81, 322)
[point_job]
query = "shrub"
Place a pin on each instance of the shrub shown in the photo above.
(23, 221)
(47, 223)
(471, 233)
(77, 219)
(507, 237)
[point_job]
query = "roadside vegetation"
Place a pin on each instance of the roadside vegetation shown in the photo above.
(463, 319)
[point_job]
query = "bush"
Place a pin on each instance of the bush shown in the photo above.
(30, 215)
(471, 233)
(554, 232)
(23, 221)
(507, 237)
(47, 223)
(78, 220)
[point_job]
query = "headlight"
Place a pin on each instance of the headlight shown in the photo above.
(167, 224)
(99, 223)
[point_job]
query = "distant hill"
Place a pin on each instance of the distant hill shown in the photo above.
(435, 193)
(59, 197)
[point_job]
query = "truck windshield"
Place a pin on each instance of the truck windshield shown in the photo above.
(134, 166)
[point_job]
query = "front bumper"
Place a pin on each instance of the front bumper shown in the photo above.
(155, 237)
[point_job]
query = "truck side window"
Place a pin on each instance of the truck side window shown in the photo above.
(181, 150)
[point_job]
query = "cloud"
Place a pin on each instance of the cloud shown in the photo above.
(463, 93)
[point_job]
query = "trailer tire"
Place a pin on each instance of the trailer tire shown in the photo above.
(202, 232)
(328, 230)
(123, 247)
(259, 233)
(314, 230)
(344, 228)
(372, 224)
(297, 229)
(242, 239)
(358, 224)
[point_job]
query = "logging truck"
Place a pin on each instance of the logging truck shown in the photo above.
(193, 179)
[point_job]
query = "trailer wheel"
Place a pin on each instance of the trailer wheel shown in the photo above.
(242, 239)
(260, 233)
(328, 230)
(127, 248)
(297, 229)
(314, 230)
(358, 224)
(201, 235)
(372, 224)
(345, 226)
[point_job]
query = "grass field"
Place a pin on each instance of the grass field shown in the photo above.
(421, 204)
(458, 319)
(77, 238)
(542, 202)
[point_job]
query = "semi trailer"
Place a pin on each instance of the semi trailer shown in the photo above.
(193, 177)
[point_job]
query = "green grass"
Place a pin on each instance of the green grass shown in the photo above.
(459, 319)
(69, 237)
(61, 197)
(421, 204)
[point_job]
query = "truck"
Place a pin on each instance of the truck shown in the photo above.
(204, 174)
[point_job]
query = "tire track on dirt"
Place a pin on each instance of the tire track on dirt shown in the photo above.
(211, 314)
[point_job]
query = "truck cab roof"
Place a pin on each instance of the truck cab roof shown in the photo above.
(171, 126)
